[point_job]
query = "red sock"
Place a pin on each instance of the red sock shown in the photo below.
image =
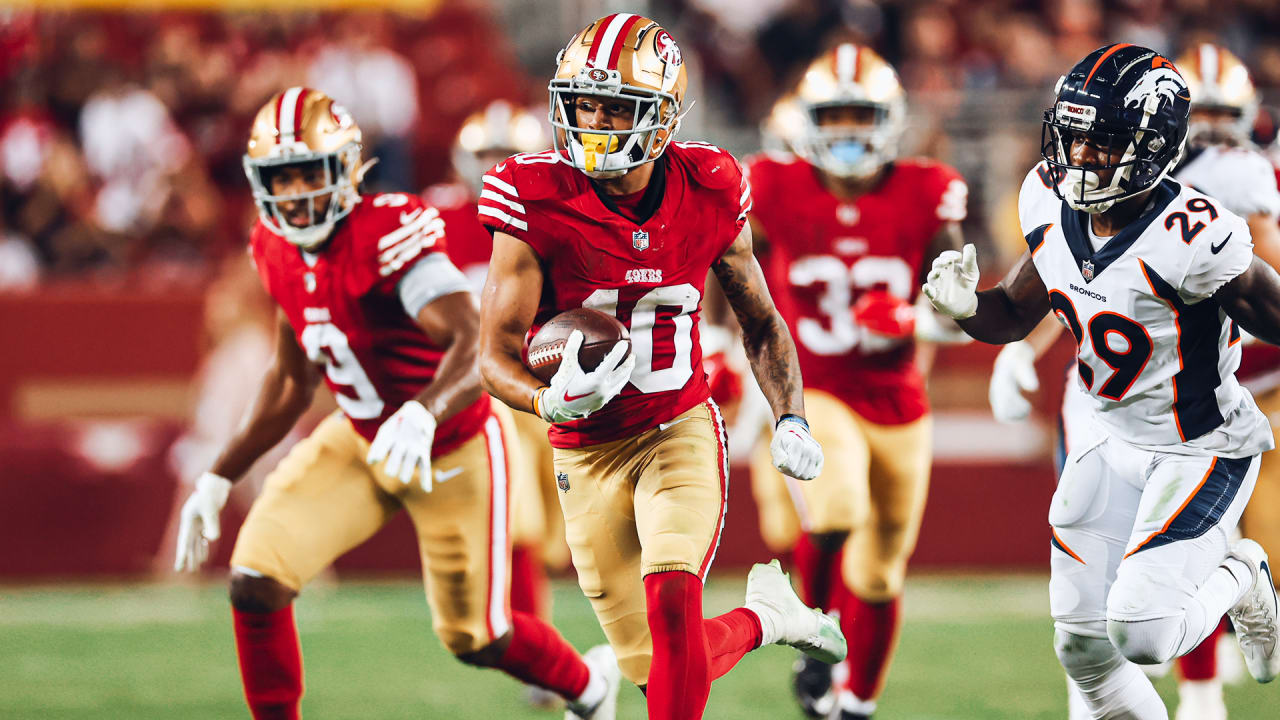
(528, 582)
(538, 655)
(819, 572)
(270, 663)
(731, 636)
(1202, 663)
(871, 630)
(680, 674)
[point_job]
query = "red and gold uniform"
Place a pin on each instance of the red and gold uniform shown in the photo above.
(644, 479)
(345, 304)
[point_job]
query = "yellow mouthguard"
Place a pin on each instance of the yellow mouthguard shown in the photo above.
(594, 144)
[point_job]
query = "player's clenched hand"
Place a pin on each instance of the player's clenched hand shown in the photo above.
(198, 521)
(404, 442)
(1013, 374)
(575, 393)
(794, 450)
(952, 285)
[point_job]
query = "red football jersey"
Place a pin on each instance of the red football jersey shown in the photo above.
(470, 244)
(650, 276)
(822, 253)
(347, 315)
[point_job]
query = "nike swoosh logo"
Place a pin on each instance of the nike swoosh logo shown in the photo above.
(673, 423)
(1215, 248)
(443, 475)
(571, 398)
(500, 167)
(408, 217)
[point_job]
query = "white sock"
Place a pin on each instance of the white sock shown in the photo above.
(595, 690)
(1076, 707)
(1112, 687)
(852, 703)
(768, 623)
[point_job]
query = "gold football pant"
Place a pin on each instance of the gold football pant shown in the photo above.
(654, 502)
(873, 486)
(1261, 520)
(324, 499)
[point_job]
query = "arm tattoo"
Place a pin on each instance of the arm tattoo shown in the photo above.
(764, 334)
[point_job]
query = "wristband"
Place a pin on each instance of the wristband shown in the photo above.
(537, 401)
(792, 417)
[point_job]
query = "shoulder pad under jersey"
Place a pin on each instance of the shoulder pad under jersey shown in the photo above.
(536, 176)
(708, 165)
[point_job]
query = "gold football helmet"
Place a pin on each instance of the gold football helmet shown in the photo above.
(623, 56)
(848, 76)
(1218, 81)
(301, 125)
(500, 129)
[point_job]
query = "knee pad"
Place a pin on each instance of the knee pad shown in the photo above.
(1146, 642)
(1084, 657)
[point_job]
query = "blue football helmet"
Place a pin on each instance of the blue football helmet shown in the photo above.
(1130, 104)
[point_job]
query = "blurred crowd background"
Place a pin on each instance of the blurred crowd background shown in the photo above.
(133, 330)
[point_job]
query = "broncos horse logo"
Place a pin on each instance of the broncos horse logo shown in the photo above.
(1163, 82)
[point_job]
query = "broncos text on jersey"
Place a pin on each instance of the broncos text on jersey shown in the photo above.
(1156, 354)
(650, 276)
(347, 306)
(823, 253)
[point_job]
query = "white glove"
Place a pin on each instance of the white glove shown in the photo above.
(198, 521)
(404, 441)
(574, 393)
(952, 285)
(934, 328)
(1013, 374)
(794, 450)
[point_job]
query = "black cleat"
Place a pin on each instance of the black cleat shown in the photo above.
(811, 683)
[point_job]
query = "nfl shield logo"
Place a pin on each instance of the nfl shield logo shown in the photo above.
(562, 481)
(640, 240)
(1086, 269)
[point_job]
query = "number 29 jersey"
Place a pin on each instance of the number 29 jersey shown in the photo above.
(650, 276)
(1156, 354)
(345, 304)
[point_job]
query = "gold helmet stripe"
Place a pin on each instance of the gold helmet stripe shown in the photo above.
(846, 63)
(610, 38)
(289, 114)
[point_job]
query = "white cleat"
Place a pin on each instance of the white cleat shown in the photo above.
(785, 620)
(1200, 700)
(1256, 615)
(604, 664)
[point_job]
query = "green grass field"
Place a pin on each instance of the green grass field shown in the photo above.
(971, 648)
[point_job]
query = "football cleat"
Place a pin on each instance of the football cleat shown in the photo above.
(1255, 616)
(811, 683)
(850, 707)
(542, 698)
(602, 661)
(785, 620)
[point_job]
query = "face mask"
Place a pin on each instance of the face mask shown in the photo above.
(848, 152)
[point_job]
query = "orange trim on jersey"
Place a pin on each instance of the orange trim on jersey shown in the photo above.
(1046, 232)
(1177, 326)
(1178, 512)
(1058, 539)
(1105, 55)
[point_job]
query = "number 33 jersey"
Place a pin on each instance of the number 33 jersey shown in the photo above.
(650, 275)
(1156, 353)
(349, 305)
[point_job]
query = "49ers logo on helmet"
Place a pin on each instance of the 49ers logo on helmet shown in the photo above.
(667, 48)
(598, 75)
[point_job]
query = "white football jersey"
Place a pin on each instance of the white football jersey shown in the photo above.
(1156, 355)
(1242, 180)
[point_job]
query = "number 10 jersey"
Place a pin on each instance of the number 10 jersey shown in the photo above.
(1156, 353)
(649, 275)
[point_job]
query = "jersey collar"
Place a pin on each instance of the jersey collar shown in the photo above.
(1076, 231)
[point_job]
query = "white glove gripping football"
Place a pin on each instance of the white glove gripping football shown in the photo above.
(952, 285)
(404, 442)
(1014, 373)
(574, 393)
(198, 521)
(794, 450)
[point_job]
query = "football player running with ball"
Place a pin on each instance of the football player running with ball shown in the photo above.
(1221, 163)
(846, 232)
(621, 219)
(1151, 278)
(369, 299)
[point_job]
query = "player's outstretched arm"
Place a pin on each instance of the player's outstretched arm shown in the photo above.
(508, 305)
(1252, 299)
(284, 396)
(452, 322)
(1002, 314)
(765, 336)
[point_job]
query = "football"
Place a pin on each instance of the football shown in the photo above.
(600, 332)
